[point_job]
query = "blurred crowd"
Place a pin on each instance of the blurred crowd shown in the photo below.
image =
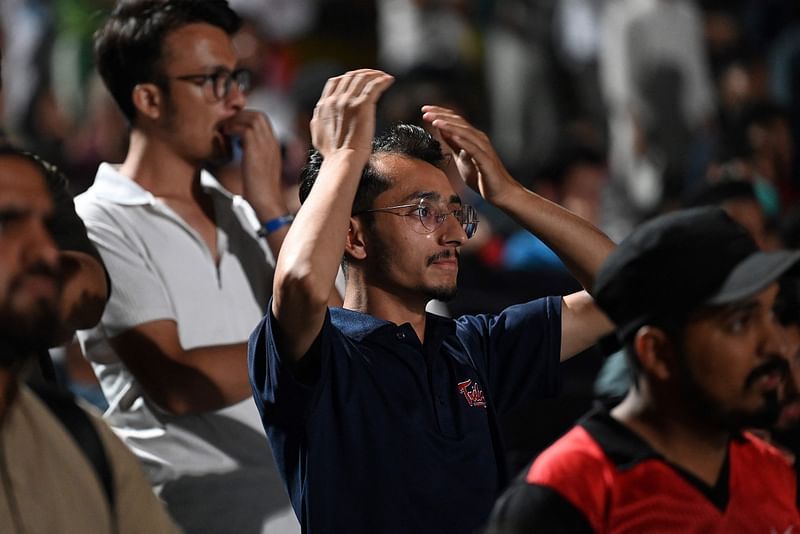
(617, 109)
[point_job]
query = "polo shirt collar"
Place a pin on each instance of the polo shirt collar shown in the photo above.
(110, 184)
(359, 326)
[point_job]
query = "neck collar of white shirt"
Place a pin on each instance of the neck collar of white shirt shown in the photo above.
(114, 186)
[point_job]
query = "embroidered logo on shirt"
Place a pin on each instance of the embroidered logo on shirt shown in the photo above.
(473, 393)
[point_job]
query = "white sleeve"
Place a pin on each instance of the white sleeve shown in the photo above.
(138, 293)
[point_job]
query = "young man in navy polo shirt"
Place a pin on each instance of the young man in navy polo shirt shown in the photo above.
(382, 418)
(693, 298)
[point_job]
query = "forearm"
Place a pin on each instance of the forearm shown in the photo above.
(315, 243)
(182, 381)
(578, 243)
(207, 379)
(342, 129)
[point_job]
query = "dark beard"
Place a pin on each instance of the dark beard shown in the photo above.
(445, 294)
(35, 329)
(22, 336)
(731, 421)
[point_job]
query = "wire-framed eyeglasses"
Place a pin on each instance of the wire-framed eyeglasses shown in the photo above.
(221, 81)
(425, 216)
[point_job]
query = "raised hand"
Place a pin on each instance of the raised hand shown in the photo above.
(344, 117)
(261, 162)
(473, 155)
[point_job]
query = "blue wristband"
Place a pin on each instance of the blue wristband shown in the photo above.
(275, 224)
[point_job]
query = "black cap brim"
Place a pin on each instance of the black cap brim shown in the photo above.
(754, 274)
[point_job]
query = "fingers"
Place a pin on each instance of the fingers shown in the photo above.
(344, 116)
(247, 119)
(368, 83)
(456, 131)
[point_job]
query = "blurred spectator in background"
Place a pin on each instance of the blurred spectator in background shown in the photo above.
(26, 27)
(85, 284)
(660, 98)
(784, 66)
(786, 432)
(420, 35)
(768, 156)
(738, 198)
(574, 179)
(191, 264)
(51, 447)
(541, 76)
(757, 148)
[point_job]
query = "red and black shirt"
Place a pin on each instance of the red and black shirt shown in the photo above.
(602, 477)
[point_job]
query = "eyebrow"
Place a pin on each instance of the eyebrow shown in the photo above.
(217, 69)
(746, 306)
(727, 310)
(430, 195)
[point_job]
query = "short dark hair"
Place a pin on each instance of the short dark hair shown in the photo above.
(402, 139)
(128, 48)
(718, 193)
(49, 172)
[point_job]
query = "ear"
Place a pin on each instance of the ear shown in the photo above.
(655, 352)
(355, 244)
(148, 99)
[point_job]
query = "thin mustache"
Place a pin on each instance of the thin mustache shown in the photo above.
(775, 364)
(443, 255)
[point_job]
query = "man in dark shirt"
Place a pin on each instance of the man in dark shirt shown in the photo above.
(383, 418)
(693, 300)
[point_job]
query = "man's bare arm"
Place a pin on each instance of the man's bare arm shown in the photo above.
(579, 244)
(342, 130)
(182, 381)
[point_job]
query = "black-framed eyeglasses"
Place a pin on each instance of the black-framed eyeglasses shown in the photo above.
(425, 216)
(221, 81)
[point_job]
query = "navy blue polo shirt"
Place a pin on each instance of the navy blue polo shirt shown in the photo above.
(395, 436)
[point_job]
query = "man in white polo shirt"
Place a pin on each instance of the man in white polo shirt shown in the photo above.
(191, 264)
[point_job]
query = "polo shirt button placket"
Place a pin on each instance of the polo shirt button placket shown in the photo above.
(401, 336)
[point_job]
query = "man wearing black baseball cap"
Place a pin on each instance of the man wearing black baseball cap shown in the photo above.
(692, 297)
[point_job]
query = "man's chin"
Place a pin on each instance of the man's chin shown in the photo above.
(219, 158)
(222, 151)
(444, 294)
(764, 417)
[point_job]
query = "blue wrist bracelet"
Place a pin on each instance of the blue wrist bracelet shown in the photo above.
(275, 224)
